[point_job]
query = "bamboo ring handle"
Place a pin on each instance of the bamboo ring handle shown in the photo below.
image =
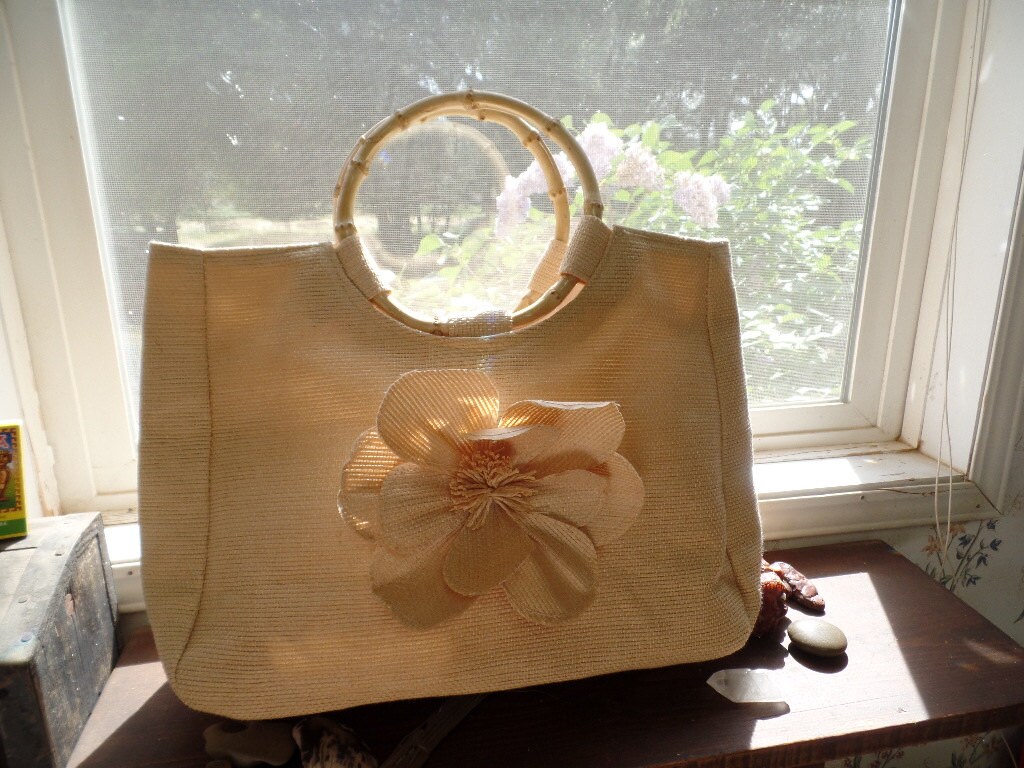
(484, 106)
(533, 142)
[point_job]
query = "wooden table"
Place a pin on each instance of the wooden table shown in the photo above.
(921, 666)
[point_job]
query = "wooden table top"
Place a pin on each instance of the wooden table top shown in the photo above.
(921, 665)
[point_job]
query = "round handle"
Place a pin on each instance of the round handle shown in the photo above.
(357, 168)
(536, 146)
(504, 110)
(479, 104)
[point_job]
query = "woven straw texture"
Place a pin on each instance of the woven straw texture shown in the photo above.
(262, 367)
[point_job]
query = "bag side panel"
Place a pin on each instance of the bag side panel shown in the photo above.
(174, 447)
(720, 526)
(743, 523)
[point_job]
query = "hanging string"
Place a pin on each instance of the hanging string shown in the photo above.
(1009, 750)
(943, 532)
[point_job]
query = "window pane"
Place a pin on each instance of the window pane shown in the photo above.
(221, 124)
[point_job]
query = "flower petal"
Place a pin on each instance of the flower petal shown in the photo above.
(415, 508)
(425, 415)
(369, 463)
(521, 444)
(622, 501)
(414, 588)
(480, 559)
(573, 497)
(362, 512)
(559, 580)
(361, 480)
(588, 433)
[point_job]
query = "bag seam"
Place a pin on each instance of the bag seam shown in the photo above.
(209, 455)
(673, 241)
(718, 398)
(711, 264)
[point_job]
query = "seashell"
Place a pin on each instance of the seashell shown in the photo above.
(324, 743)
(802, 589)
(773, 604)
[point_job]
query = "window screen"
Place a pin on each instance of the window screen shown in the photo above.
(219, 124)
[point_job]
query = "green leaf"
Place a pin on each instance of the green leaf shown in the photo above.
(429, 244)
(651, 134)
(577, 202)
(707, 157)
(601, 117)
(567, 121)
(623, 195)
(767, 105)
(676, 161)
(845, 185)
(472, 244)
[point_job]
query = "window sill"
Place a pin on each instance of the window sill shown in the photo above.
(800, 494)
(824, 493)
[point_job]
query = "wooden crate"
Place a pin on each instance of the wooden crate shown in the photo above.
(57, 616)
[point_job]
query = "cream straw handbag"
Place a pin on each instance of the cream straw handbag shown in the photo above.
(342, 503)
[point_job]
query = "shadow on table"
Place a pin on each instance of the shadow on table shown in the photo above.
(160, 731)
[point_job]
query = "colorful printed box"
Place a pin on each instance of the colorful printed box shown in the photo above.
(13, 519)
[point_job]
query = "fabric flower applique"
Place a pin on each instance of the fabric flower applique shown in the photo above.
(463, 500)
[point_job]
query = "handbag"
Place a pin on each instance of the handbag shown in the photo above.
(342, 503)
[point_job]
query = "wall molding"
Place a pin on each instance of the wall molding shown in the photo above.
(997, 465)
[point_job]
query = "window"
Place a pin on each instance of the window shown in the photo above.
(213, 124)
(813, 135)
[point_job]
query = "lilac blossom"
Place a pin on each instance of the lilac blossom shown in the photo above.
(639, 169)
(600, 146)
(720, 188)
(700, 196)
(533, 182)
(513, 206)
(565, 167)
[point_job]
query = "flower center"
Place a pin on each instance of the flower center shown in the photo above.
(487, 479)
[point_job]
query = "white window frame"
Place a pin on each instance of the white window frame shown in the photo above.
(917, 115)
(830, 468)
(55, 257)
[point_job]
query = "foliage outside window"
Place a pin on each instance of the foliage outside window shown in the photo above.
(782, 180)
